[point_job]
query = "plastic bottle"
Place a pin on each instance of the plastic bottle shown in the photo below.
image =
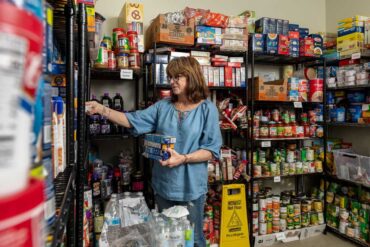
(118, 104)
(93, 98)
(188, 234)
(111, 214)
(106, 100)
(126, 194)
(162, 235)
(177, 236)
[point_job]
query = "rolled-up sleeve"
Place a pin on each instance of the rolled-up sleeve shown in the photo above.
(211, 138)
(143, 121)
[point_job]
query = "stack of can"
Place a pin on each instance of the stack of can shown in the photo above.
(275, 213)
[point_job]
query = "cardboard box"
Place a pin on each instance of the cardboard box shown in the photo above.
(352, 19)
(353, 37)
(270, 91)
(222, 76)
(263, 25)
(216, 76)
(317, 43)
(303, 32)
(228, 71)
(168, 33)
(306, 47)
(208, 35)
(272, 42)
(285, 27)
(283, 46)
(294, 27)
(211, 81)
(90, 12)
(235, 33)
(131, 12)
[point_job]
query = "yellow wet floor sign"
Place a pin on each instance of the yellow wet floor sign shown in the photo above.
(234, 222)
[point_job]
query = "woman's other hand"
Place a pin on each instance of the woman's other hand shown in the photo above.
(93, 107)
(175, 159)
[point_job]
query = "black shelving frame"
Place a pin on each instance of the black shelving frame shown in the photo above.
(278, 60)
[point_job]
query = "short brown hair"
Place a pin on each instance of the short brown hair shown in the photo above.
(196, 88)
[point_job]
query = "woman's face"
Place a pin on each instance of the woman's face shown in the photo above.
(178, 84)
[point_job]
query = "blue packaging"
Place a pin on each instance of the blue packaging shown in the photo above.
(273, 25)
(47, 116)
(338, 115)
(355, 112)
(293, 27)
(343, 32)
(285, 27)
(356, 97)
(258, 42)
(272, 43)
(48, 167)
(303, 32)
(330, 98)
(279, 26)
(294, 48)
(47, 52)
(263, 25)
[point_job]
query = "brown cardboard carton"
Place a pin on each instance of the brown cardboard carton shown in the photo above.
(270, 91)
(168, 33)
(131, 12)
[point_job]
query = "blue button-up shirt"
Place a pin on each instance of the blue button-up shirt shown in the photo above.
(195, 129)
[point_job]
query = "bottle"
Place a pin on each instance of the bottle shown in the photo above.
(177, 237)
(229, 110)
(105, 127)
(116, 182)
(162, 235)
(93, 98)
(96, 185)
(118, 104)
(98, 219)
(106, 100)
(126, 194)
(188, 234)
(111, 214)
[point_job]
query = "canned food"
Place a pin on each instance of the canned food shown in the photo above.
(285, 169)
(342, 226)
(283, 212)
(255, 157)
(283, 224)
(305, 167)
(317, 206)
(269, 227)
(292, 169)
(262, 203)
(290, 157)
(290, 209)
(299, 167)
(256, 188)
(262, 156)
(276, 226)
(303, 155)
(255, 205)
(256, 132)
(263, 228)
(311, 167)
(320, 217)
(285, 199)
(350, 232)
(275, 214)
(297, 208)
(269, 203)
(305, 205)
(297, 221)
(266, 170)
(275, 202)
(273, 169)
(290, 223)
(343, 202)
(305, 218)
(269, 215)
(318, 166)
(257, 170)
(314, 218)
(310, 153)
(262, 216)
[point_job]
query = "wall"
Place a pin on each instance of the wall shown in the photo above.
(297, 11)
(339, 9)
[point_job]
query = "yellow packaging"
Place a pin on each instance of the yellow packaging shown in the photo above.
(347, 25)
(90, 10)
(131, 12)
(349, 52)
(349, 45)
(353, 36)
(352, 19)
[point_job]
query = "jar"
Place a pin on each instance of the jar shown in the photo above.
(256, 121)
(102, 57)
(275, 115)
(137, 182)
(280, 130)
(116, 33)
(306, 128)
(122, 61)
(300, 131)
(105, 126)
(264, 130)
(304, 117)
(256, 132)
(287, 130)
(134, 59)
(108, 41)
(294, 128)
(292, 116)
(94, 125)
(320, 131)
(272, 129)
(132, 39)
(313, 131)
(112, 62)
(123, 44)
(285, 117)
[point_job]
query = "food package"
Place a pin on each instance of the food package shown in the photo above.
(215, 20)
(196, 14)
(238, 21)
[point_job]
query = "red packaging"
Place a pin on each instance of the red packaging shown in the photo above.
(22, 217)
(293, 35)
(112, 62)
(283, 47)
(132, 39)
(316, 90)
(215, 20)
(164, 94)
(306, 47)
(234, 65)
(347, 62)
(228, 76)
(219, 64)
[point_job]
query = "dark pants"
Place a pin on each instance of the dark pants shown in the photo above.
(196, 213)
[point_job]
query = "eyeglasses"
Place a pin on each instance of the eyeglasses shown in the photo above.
(176, 78)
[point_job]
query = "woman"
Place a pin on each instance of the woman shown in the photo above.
(194, 121)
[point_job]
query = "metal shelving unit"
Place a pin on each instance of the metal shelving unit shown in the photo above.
(288, 176)
(277, 60)
(357, 125)
(344, 236)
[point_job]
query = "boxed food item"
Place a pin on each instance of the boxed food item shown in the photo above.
(251, 15)
(355, 112)
(208, 35)
(240, 21)
(303, 32)
(258, 42)
(228, 72)
(234, 45)
(271, 91)
(163, 32)
(317, 43)
(356, 18)
(272, 24)
(306, 47)
(294, 44)
(263, 25)
(346, 31)
(294, 27)
(214, 20)
(235, 33)
(283, 47)
(285, 27)
(272, 43)
(131, 12)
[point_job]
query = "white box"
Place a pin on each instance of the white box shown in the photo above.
(216, 76)
(211, 81)
(234, 77)
(242, 77)
(238, 77)
(222, 76)
(265, 240)
(205, 74)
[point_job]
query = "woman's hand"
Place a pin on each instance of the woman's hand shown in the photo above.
(175, 159)
(93, 107)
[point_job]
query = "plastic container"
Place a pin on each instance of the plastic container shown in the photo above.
(106, 100)
(316, 90)
(351, 166)
(21, 42)
(133, 39)
(123, 44)
(134, 59)
(362, 82)
(115, 34)
(362, 76)
(122, 61)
